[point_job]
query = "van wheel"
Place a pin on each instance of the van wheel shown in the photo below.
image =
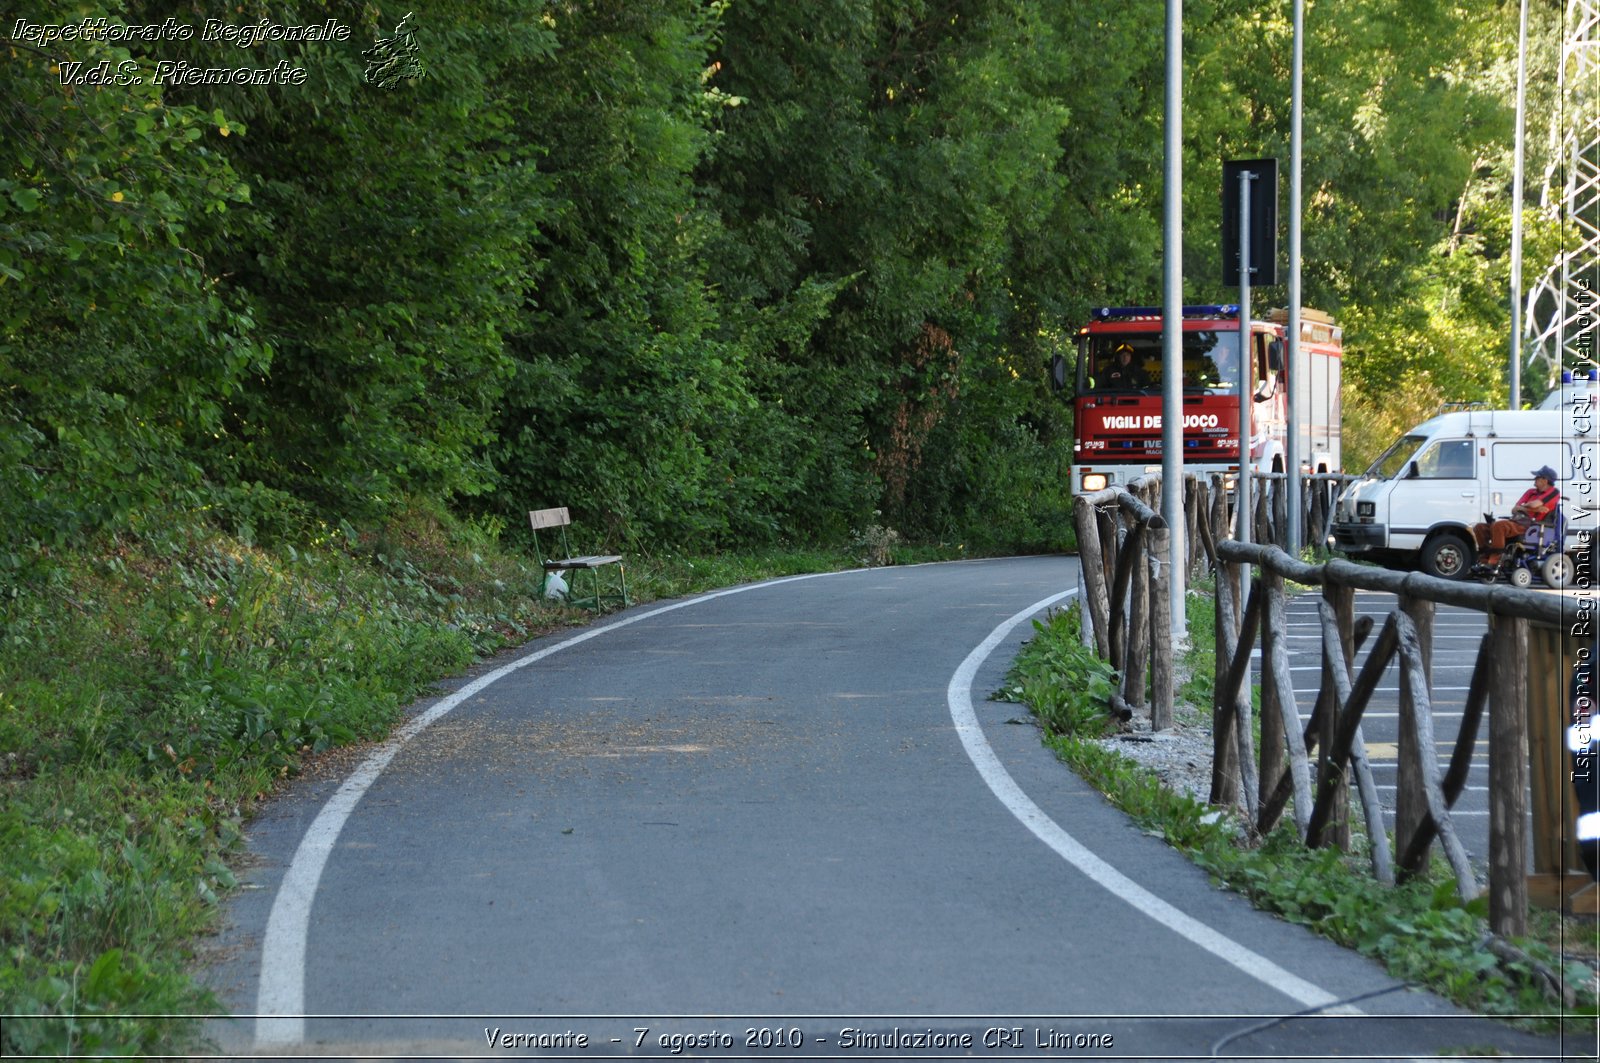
(1557, 571)
(1447, 556)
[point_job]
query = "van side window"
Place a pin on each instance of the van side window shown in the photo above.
(1449, 460)
(1515, 461)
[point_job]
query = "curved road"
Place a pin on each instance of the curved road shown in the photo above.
(787, 808)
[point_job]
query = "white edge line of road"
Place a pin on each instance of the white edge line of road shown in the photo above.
(1047, 830)
(280, 992)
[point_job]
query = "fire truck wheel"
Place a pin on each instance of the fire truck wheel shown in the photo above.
(1447, 556)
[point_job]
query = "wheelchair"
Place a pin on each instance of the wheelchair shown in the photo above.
(1541, 550)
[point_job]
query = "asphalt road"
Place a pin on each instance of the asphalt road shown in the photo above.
(785, 813)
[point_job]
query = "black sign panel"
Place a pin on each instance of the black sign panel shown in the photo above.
(1263, 220)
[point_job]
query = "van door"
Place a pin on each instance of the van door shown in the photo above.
(1440, 487)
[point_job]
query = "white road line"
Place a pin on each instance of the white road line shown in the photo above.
(1437, 638)
(280, 992)
(1436, 714)
(1075, 853)
(1464, 626)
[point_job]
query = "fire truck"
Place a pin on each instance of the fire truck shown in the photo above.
(1117, 408)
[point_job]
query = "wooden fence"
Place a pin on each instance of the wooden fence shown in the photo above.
(1127, 591)
(1425, 794)
(1307, 766)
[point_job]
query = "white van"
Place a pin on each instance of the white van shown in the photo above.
(1418, 502)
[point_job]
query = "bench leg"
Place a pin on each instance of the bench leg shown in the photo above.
(598, 596)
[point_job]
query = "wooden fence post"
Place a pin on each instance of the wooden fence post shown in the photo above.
(1421, 709)
(1224, 750)
(1202, 526)
(1410, 796)
(1110, 541)
(1092, 569)
(1342, 599)
(1191, 524)
(1280, 512)
(1161, 605)
(1128, 552)
(1137, 656)
(1273, 739)
(1351, 700)
(1508, 776)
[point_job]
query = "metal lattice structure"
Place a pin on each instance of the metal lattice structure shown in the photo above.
(1563, 308)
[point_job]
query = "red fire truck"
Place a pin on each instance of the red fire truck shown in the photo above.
(1117, 409)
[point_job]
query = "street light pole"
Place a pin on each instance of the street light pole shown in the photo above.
(1242, 494)
(1516, 213)
(1291, 457)
(1172, 326)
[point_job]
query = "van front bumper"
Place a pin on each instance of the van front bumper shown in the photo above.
(1354, 538)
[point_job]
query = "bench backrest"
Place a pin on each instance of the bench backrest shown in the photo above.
(549, 518)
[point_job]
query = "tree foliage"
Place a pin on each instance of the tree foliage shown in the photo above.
(720, 272)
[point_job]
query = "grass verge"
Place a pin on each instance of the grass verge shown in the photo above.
(1420, 931)
(154, 687)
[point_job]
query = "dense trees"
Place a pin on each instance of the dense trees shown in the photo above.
(711, 271)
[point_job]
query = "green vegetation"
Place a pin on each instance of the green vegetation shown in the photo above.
(159, 687)
(728, 273)
(283, 367)
(1421, 931)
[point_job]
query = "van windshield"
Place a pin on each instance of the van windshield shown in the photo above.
(1393, 460)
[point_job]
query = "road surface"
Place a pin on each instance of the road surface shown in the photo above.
(779, 821)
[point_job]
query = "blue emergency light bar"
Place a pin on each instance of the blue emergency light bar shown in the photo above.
(1567, 376)
(1111, 313)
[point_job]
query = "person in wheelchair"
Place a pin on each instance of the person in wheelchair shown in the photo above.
(1537, 505)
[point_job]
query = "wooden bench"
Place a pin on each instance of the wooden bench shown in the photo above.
(560, 518)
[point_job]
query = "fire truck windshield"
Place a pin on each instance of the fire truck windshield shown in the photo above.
(1132, 362)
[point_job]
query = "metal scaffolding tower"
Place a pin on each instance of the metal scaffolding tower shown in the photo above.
(1563, 307)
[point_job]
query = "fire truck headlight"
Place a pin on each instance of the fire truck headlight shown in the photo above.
(1094, 481)
(1366, 509)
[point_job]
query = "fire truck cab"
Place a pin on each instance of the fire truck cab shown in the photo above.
(1117, 410)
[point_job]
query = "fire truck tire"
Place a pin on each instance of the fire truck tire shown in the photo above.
(1447, 555)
